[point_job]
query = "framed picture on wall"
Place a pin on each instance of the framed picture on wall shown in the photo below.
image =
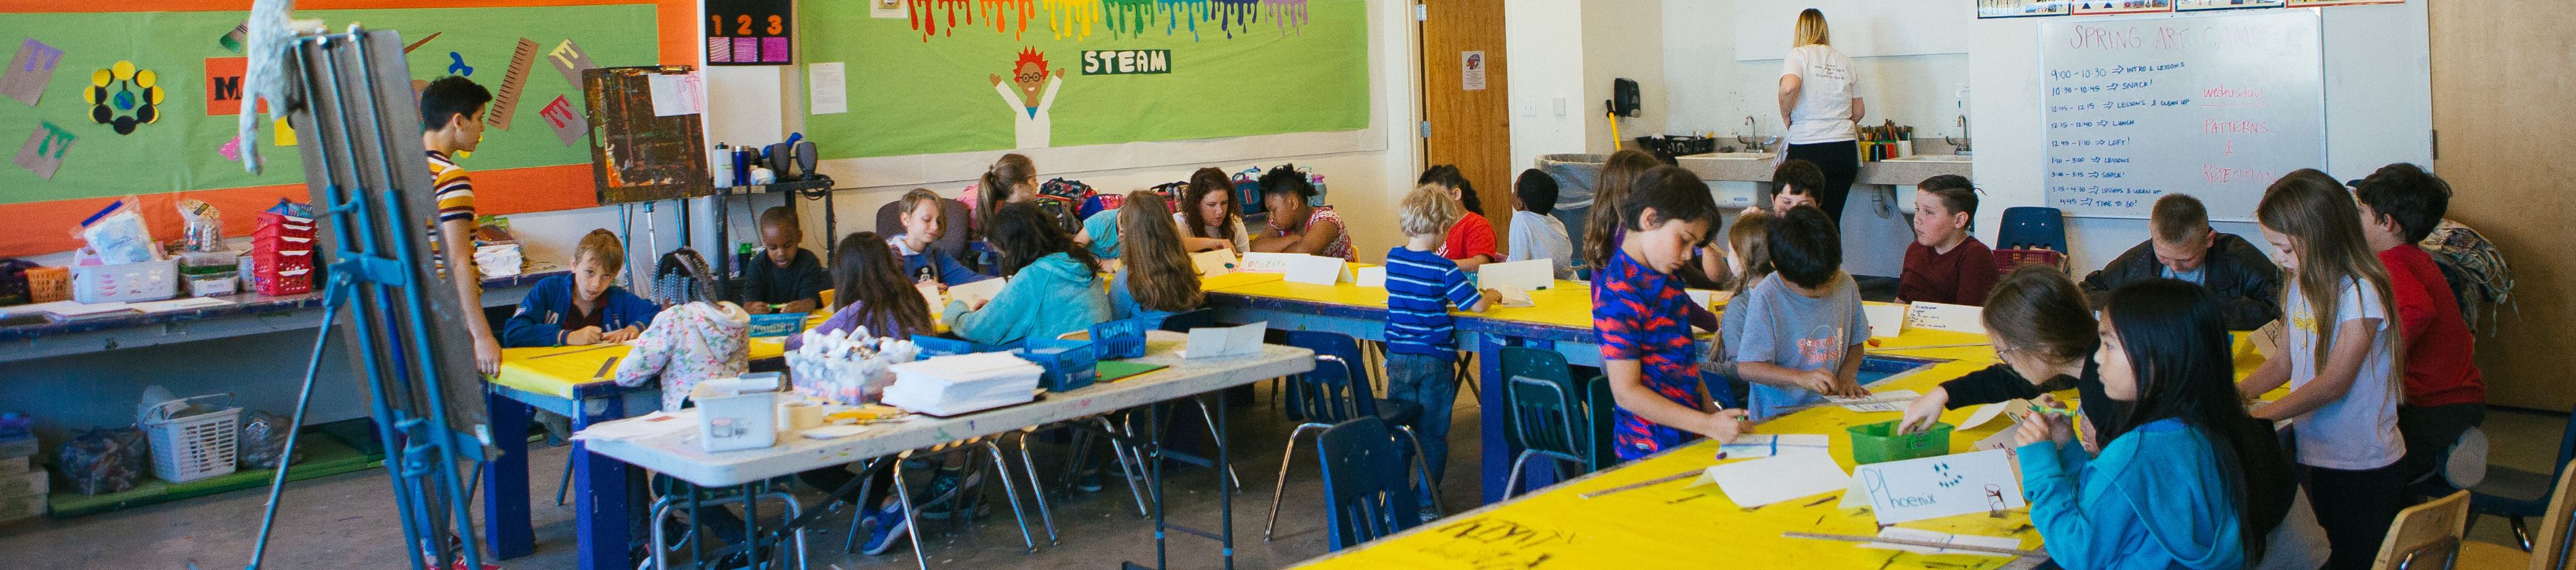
(750, 32)
(2098, 7)
(2023, 8)
(2195, 5)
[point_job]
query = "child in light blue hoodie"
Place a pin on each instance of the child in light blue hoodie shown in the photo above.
(1055, 285)
(2186, 479)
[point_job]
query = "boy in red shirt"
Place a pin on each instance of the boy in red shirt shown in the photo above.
(1945, 264)
(2400, 204)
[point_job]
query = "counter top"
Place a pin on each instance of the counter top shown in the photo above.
(249, 313)
(1756, 167)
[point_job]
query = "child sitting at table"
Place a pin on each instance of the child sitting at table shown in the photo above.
(584, 307)
(2186, 479)
(870, 290)
(1208, 215)
(1748, 258)
(2043, 335)
(1803, 326)
(1793, 184)
(2445, 393)
(1535, 233)
(1157, 278)
(923, 225)
(1945, 264)
(693, 339)
(1054, 289)
(1296, 224)
(786, 279)
(1470, 242)
(1421, 348)
(1647, 353)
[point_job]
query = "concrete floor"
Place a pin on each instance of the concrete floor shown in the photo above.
(346, 521)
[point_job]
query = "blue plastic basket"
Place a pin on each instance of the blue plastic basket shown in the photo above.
(777, 324)
(1123, 338)
(943, 346)
(1069, 364)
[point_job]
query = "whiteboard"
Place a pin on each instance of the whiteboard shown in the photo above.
(2217, 107)
(1858, 28)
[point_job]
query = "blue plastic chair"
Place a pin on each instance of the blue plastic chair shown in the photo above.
(1347, 349)
(1366, 495)
(2032, 227)
(2517, 494)
(1600, 409)
(1327, 396)
(1547, 413)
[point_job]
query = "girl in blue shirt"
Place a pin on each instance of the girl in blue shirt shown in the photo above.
(2191, 480)
(1158, 278)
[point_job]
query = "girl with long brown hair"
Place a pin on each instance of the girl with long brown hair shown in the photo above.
(1208, 216)
(1158, 278)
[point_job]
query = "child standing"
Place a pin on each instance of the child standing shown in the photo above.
(870, 290)
(1535, 233)
(2445, 394)
(451, 118)
(2340, 362)
(788, 279)
(1470, 242)
(1945, 264)
(694, 338)
(1054, 287)
(1647, 353)
(585, 307)
(1421, 351)
(1157, 278)
(1803, 325)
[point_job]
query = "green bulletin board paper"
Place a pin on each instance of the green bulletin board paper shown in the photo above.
(1236, 68)
(179, 151)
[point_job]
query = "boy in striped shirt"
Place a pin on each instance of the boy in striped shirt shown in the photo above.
(1421, 356)
(451, 121)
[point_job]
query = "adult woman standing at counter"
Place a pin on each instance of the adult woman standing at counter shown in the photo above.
(1819, 101)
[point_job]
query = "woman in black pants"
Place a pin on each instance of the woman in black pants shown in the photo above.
(1819, 102)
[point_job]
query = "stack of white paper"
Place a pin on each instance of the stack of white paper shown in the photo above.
(951, 385)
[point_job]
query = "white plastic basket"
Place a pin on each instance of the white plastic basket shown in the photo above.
(193, 447)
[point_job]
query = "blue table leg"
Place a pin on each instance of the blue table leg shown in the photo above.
(600, 511)
(1494, 421)
(505, 480)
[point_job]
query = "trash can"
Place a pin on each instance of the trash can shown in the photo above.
(1575, 175)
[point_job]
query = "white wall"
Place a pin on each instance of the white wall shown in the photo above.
(1710, 90)
(1543, 40)
(1622, 39)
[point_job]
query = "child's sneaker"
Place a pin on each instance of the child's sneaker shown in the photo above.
(890, 529)
(1088, 481)
(951, 490)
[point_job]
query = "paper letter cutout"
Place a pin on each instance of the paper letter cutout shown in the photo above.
(43, 153)
(568, 125)
(25, 78)
(570, 60)
(513, 84)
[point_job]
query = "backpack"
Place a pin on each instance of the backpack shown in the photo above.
(2477, 272)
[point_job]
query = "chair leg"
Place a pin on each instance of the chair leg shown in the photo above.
(1280, 487)
(1119, 451)
(1212, 431)
(792, 512)
(904, 497)
(1423, 466)
(1002, 469)
(560, 488)
(1031, 466)
(1518, 463)
(2521, 535)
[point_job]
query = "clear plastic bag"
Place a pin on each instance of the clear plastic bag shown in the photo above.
(202, 227)
(105, 460)
(117, 235)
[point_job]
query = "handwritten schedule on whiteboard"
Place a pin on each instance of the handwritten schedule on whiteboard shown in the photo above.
(2217, 107)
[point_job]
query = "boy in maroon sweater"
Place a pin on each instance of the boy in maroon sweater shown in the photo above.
(1945, 264)
(2400, 204)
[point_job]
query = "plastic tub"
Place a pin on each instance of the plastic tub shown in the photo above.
(1122, 338)
(1879, 442)
(1069, 364)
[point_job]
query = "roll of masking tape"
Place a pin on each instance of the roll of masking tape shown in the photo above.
(799, 416)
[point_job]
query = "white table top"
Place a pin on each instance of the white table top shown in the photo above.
(678, 454)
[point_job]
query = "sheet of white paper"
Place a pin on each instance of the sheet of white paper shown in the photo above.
(1946, 317)
(673, 94)
(1988, 412)
(1917, 489)
(1921, 535)
(174, 305)
(76, 310)
(1881, 401)
(1258, 262)
(930, 296)
(1370, 277)
(38, 308)
(1774, 479)
(1509, 296)
(1757, 445)
(1530, 275)
(1885, 321)
(1707, 298)
(828, 89)
(1314, 269)
(651, 424)
(978, 292)
(2000, 440)
(1214, 263)
(1212, 342)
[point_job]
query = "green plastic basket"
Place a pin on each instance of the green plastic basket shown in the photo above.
(1879, 443)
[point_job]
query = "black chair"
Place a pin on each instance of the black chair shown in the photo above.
(1182, 322)
(1547, 414)
(1328, 395)
(952, 226)
(1366, 495)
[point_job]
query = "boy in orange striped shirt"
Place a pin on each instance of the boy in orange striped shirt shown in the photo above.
(451, 118)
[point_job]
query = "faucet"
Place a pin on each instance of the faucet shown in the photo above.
(1753, 142)
(1959, 144)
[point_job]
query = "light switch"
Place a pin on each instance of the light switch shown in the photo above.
(1560, 106)
(1528, 109)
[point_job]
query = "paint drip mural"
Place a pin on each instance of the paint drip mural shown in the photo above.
(1074, 19)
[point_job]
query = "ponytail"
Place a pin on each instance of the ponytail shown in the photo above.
(999, 181)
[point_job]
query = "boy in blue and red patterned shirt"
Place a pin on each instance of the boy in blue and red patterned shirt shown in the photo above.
(1637, 312)
(1421, 348)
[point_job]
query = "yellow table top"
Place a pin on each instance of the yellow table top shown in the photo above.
(539, 370)
(1661, 524)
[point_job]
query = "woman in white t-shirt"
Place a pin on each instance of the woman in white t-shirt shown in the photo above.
(2341, 363)
(1207, 215)
(1820, 102)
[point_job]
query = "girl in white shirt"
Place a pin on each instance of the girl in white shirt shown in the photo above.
(2340, 363)
(1820, 103)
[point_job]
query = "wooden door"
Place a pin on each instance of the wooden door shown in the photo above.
(2499, 75)
(1469, 122)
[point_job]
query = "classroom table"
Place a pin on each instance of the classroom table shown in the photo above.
(250, 313)
(1666, 524)
(603, 516)
(572, 381)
